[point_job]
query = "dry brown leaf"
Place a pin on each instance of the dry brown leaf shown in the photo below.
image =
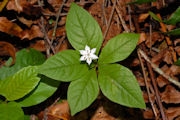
(9, 27)
(62, 46)
(170, 95)
(174, 70)
(142, 38)
(177, 49)
(61, 109)
(164, 55)
(173, 112)
(162, 81)
(167, 57)
(39, 45)
(146, 98)
(101, 114)
(34, 32)
(55, 3)
(176, 41)
(57, 112)
(60, 31)
(148, 114)
(156, 36)
(143, 17)
(8, 49)
(25, 21)
(25, 6)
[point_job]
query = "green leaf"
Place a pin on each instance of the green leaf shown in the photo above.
(120, 85)
(82, 29)
(174, 32)
(82, 92)
(140, 2)
(11, 111)
(20, 84)
(177, 62)
(154, 16)
(64, 66)
(43, 91)
(24, 58)
(27, 117)
(175, 17)
(118, 48)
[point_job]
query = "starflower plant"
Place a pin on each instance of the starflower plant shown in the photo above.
(115, 81)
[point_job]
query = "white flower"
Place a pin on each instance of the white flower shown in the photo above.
(88, 55)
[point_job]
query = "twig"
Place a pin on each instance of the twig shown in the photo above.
(46, 38)
(110, 19)
(130, 17)
(158, 70)
(122, 20)
(150, 37)
(56, 23)
(146, 83)
(104, 14)
(59, 45)
(158, 99)
(44, 34)
(155, 87)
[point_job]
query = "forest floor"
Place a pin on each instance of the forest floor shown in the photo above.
(30, 24)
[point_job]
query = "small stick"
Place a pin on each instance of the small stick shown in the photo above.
(104, 14)
(146, 83)
(150, 37)
(110, 19)
(56, 23)
(158, 70)
(130, 17)
(122, 20)
(158, 99)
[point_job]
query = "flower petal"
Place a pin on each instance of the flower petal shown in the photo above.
(83, 58)
(89, 60)
(93, 56)
(87, 49)
(82, 52)
(93, 50)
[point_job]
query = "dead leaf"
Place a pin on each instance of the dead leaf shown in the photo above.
(142, 38)
(162, 81)
(177, 49)
(101, 114)
(8, 49)
(148, 114)
(34, 32)
(60, 31)
(39, 45)
(25, 21)
(9, 27)
(61, 109)
(164, 55)
(170, 95)
(146, 98)
(173, 112)
(174, 70)
(25, 6)
(177, 41)
(143, 17)
(156, 36)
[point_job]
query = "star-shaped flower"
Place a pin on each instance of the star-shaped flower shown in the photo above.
(88, 55)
